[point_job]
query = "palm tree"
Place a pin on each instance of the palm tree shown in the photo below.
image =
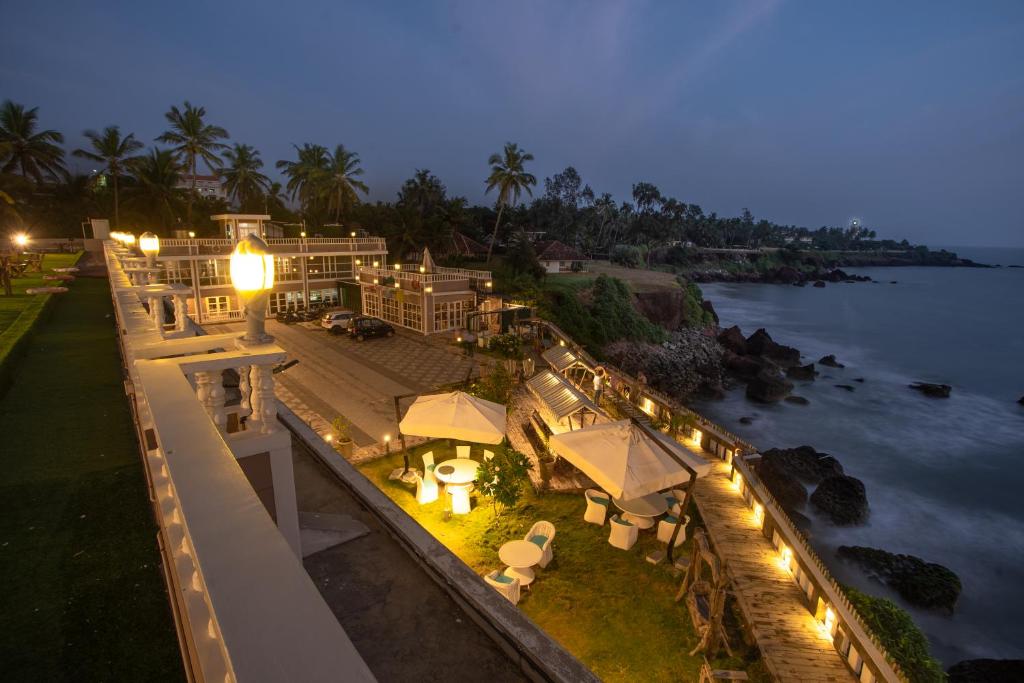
(341, 182)
(113, 150)
(155, 190)
(193, 139)
(306, 176)
(242, 177)
(34, 154)
(509, 176)
(273, 199)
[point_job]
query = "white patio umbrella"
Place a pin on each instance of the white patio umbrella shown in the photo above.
(624, 460)
(456, 415)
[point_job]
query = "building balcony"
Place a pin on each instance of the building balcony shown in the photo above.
(171, 248)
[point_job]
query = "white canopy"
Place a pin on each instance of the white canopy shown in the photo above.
(623, 460)
(455, 416)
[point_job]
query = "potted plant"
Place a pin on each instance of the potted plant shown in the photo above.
(341, 431)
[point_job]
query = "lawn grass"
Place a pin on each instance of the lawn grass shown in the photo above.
(83, 592)
(610, 608)
(19, 311)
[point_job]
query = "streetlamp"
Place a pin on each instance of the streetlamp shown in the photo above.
(20, 240)
(149, 245)
(252, 275)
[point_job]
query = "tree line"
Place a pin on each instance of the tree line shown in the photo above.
(139, 187)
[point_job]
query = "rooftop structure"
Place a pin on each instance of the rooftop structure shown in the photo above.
(206, 185)
(557, 257)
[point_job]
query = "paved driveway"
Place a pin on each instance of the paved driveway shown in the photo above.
(359, 380)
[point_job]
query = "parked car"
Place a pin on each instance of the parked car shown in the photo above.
(337, 322)
(363, 327)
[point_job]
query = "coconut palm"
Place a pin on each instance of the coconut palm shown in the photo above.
(193, 139)
(242, 177)
(155, 192)
(341, 182)
(110, 148)
(510, 178)
(306, 175)
(33, 153)
(273, 199)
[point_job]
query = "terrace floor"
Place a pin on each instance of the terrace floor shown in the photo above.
(610, 608)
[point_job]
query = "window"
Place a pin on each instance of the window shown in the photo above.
(217, 306)
(214, 272)
(329, 268)
(287, 269)
(176, 272)
(389, 310)
(371, 303)
(282, 301)
(449, 315)
(412, 315)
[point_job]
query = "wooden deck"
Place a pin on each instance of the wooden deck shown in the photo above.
(771, 601)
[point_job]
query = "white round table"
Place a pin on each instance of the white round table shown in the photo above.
(520, 556)
(642, 511)
(457, 471)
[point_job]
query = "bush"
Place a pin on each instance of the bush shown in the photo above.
(900, 636)
(507, 345)
(496, 386)
(503, 477)
(625, 255)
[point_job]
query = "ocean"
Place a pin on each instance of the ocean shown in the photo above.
(944, 477)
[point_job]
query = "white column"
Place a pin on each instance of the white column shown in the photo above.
(180, 312)
(210, 391)
(245, 388)
(263, 403)
(156, 307)
(285, 502)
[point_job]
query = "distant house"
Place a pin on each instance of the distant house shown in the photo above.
(467, 247)
(557, 257)
(206, 185)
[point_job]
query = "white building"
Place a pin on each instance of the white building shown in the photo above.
(206, 185)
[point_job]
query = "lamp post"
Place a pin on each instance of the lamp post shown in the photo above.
(149, 245)
(252, 275)
(20, 240)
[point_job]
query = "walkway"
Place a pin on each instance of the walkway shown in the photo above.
(771, 601)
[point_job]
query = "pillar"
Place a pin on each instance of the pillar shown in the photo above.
(285, 501)
(210, 392)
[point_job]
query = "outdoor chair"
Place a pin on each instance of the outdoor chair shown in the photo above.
(542, 534)
(488, 454)
(428, 462)
(597, 506)
(675, 499)
(623, 534)
(426, 489)
(462, 451)
(504, 585)
(460, 499)
(666, 526)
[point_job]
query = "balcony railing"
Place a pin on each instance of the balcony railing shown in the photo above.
(278, 245)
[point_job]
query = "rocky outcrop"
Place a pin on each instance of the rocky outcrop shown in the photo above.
(663, 307)
(797, 400)
(933, 390)
(830, 361)
(733, 340)
(921, 583)
(845, 387)
(710, 308)
(843, 499)
(786, 488)
(804, 463)
(801, 372)
(688, 364)
(819, 283)
(768, 387)
(761, 344)
(744, 367)
(987, 671)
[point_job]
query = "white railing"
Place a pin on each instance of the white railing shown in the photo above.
(410, 273)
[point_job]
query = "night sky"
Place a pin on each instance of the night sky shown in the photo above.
(908, 115)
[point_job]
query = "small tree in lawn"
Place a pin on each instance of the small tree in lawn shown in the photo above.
(503, 478)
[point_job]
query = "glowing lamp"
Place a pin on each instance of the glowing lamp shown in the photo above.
(785, 556)
(329, 438)
(398, 266)
(302, 234)
(149, 244)
(423, 269)
(252, 275)
(376, 264)
(829, 623)
(359, 262)
(429, 289)
(191, 234)
(20, 240)
(758, 513)
(561, 342)
(737, 481)
(129, 239)
(353, 233)
(490, 284)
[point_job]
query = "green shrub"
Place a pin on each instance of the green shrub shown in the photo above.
(507, 345)
(900, 636)
(625, 255)
(503, 478)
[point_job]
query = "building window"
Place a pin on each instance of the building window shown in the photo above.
(412, 315)
(176, 272)
(213, 272)
(327, 297)
(283, 301)
(287, 269)
(217, 306)
(371, 303)
(389, 310)
(329, 268)
(450, 315)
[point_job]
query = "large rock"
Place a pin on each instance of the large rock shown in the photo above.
(924, 584)
(746, 367)
(797, 400)
(768, 387)
(933, 390)
(710, 308)
(733, 340)
(843, 499)
(801, 372)
(1021, 400)
(804, 463)
(784, 486)
(761, 344)
(830, 361)
(987, 671)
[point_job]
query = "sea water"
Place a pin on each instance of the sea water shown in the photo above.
(944, 477)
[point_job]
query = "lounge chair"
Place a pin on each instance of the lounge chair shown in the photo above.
(597, 506)
(542, 534)
(504, 585)
(623, 534)
(666, 525)
(462, 451)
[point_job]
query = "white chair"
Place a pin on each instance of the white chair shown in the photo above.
(504, 585)
(675, 499)
(623, 534)
(542, 534)
(462, 451)
(460, 499)
(426, 489)
(597, 506)
(666, 526)
(488, 455)
(428, 468)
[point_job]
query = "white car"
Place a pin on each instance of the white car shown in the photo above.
(336, 321)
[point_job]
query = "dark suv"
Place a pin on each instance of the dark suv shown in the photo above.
(364, 328)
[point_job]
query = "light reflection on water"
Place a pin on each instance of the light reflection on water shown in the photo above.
(944, 477)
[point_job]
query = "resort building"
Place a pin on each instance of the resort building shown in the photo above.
(557, 257)
(206, 185)
(422, 296)
(308, 271)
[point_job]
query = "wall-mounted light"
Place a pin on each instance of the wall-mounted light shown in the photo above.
(423, 269)
(302, 234)
(353, 233)
(376, 264)
(398, 266)
(490, 284)
(428, 289)
(191, 234)
(785, 556)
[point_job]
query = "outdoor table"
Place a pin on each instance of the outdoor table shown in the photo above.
(642, 511)
(520, 556)
(457, 471)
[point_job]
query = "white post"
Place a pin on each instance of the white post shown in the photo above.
(263, 403)
(180, 312)
(210, 391)
(285, 501)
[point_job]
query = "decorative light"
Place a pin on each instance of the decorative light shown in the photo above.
(828, 626)
(490, 284)
(149, 244)
(376, 264)
(302, 234)
(359, 262)
(375, 281)
(329, 438)
(20, 240)
(191, 234)
(737, 481)
(758, 513)
(697, 435)
(353, 233)
(129, 238)
(429, 289)
(423, 269)
(252, 274)
(561, 342)
(398, 266)
(785, 556)
(398, 285)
